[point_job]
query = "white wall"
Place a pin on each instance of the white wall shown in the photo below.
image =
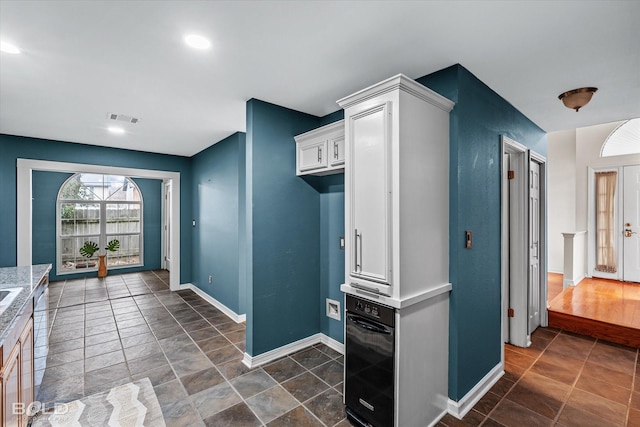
(570, 154)
(561, 194)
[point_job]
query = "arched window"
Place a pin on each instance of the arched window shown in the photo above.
(98, 208)
(625, 139)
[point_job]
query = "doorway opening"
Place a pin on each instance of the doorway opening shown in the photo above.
(524, 277)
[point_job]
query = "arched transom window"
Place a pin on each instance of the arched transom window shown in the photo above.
(100, 209)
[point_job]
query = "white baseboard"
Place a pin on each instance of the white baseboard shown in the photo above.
(574, 282)
(460, 408)
(276, 353)
(238, 318)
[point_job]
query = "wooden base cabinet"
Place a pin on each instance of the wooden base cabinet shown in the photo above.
(16, 379)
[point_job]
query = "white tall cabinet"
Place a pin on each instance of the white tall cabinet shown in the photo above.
(397, 231)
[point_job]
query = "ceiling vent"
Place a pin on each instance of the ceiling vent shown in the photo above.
(122, 118)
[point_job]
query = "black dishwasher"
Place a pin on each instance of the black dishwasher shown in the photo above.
(369, 362)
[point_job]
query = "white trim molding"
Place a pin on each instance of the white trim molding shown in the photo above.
(460, 408)
(25, 167)
(238, 318)
(261, 359)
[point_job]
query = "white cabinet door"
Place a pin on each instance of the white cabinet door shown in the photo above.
(337, 153)
(312, 156)
(370, 194)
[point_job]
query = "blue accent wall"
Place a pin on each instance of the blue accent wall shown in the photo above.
(478, 119)
(283, 231)
(331, 256)
(45, 187)
(218, 189)
(14, 147)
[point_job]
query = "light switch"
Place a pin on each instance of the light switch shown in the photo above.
(341, 242)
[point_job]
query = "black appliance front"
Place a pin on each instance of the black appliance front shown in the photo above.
(369, 362)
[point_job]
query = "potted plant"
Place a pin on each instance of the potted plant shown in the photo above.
(90, 248)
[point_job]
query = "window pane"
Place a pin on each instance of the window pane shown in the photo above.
(128, 253)
(72, 259)
(123, 218)
(122, 189)
(79, 218)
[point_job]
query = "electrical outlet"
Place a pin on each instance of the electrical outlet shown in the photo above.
(210, 279)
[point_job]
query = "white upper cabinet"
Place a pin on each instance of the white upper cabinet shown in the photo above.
(337, 150)
(321, 151)
(396, 190)
(369, 201)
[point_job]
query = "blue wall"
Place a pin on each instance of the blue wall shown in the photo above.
(331, 256)
(45, 187)
(14, 147)
(217, 191)
(478, 119)
(283, 231)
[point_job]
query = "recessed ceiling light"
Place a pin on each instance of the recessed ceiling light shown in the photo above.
(116, 130)
(197, 42)
(8, 47)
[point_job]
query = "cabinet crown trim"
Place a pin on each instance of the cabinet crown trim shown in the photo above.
(400, 82)
(326, 130)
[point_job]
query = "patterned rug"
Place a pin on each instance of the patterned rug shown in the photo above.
(130, 405)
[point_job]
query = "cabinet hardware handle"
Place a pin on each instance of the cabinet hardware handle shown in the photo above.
(319, 154)
(360, 251)
(335, 150)
(355, 249)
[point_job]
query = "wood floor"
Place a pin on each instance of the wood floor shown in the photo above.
(605, 309)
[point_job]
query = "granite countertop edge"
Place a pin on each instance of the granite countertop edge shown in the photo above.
(27, 278)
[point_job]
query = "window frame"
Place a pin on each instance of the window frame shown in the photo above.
(103, 235)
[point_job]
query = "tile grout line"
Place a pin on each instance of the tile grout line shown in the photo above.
(502, 398)
(575, 382)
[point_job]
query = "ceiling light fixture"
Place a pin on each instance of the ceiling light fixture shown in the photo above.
(577, 98)
(116, 130)
(9, 48)
(197, 42)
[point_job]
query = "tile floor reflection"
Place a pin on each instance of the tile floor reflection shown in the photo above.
(109, 332)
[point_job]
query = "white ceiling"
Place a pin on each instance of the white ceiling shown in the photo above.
(82, 59)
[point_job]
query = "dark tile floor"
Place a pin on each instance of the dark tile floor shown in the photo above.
(563, 379)
(109, 332)
(126, 327)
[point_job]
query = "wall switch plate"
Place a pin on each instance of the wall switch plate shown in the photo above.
(333, 309)
(210, 279)
(341, 242)
(194, 223)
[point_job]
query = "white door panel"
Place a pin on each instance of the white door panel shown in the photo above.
(370, 195)
(631, 229)
(534, 246)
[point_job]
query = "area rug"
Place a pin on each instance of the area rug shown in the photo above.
(130, 405)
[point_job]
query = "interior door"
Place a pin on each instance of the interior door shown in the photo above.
(631, 219)
(166, 226)
(534, 245)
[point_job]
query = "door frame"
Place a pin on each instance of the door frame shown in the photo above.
(167, 200)
(591, 222)
(25, 167)
(514, 247)
(515, 243)
(542, 161)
